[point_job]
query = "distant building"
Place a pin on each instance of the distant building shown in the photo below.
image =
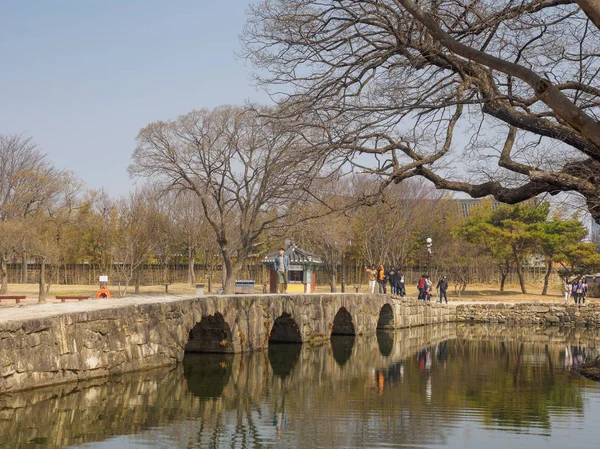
(466, 204)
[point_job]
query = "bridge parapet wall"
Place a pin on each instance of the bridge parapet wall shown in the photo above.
(121, 336)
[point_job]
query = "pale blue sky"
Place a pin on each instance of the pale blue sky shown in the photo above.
(83, 76)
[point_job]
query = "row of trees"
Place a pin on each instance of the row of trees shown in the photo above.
(512, 234)
(231, 207)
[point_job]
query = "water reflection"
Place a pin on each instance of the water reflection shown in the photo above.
(341, 347)
(283, 357)
(385, 341)
(207, 374)
(428, 387)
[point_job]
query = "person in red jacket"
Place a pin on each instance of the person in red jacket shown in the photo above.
(421, 287)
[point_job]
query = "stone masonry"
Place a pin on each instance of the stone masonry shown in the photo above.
(48, 344)
(101, 338)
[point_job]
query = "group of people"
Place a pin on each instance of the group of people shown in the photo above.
(380, 276)
(578, 290)
(425, 288)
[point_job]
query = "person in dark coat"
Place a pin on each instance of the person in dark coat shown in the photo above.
(393, 278)
(442, 287)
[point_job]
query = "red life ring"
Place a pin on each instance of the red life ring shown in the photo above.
(103, 293)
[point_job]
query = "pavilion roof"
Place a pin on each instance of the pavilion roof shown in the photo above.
(296, 255)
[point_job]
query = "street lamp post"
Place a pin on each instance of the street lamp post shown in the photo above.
(349, 243)
(429, 244)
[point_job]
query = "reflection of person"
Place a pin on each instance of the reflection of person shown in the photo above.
(279, 425)
(372, 275)
(282, 266)
(279, 417)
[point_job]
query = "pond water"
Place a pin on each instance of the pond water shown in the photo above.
(430, 387)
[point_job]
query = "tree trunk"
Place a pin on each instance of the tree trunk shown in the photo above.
(520, 274)
(331, 276)
(24, 268)
(165, 274)
(42, 282)
(137, 282)
(228, 275)
(191, 266)
(4, 273)
(547, 277)
(503, 276)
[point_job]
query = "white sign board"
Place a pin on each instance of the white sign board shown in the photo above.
(103, 278)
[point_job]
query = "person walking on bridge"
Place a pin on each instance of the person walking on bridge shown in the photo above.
(381, 279)
(372, 276)
(442, 287)
(282, 266)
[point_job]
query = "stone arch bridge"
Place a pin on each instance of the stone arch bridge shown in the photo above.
(99, 338)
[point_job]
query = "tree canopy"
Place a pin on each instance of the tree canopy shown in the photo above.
(485, 97)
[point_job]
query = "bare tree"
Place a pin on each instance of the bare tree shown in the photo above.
(245, 170)
(487, 97)
(134, 239)
(27, 183)
(394, 229)
(193, 232)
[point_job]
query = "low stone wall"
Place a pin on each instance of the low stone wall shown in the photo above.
(531, 313)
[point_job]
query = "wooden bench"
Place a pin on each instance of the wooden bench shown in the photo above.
(64, 298)
(16, 298)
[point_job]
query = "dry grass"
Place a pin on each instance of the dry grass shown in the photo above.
(474, 293)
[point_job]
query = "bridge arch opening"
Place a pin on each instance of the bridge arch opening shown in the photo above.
(211, 334)
(386, 317)
(342, 323)
(285, 330)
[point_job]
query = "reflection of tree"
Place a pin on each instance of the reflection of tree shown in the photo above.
(510, 390)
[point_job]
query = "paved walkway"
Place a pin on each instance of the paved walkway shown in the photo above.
(32, 310)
